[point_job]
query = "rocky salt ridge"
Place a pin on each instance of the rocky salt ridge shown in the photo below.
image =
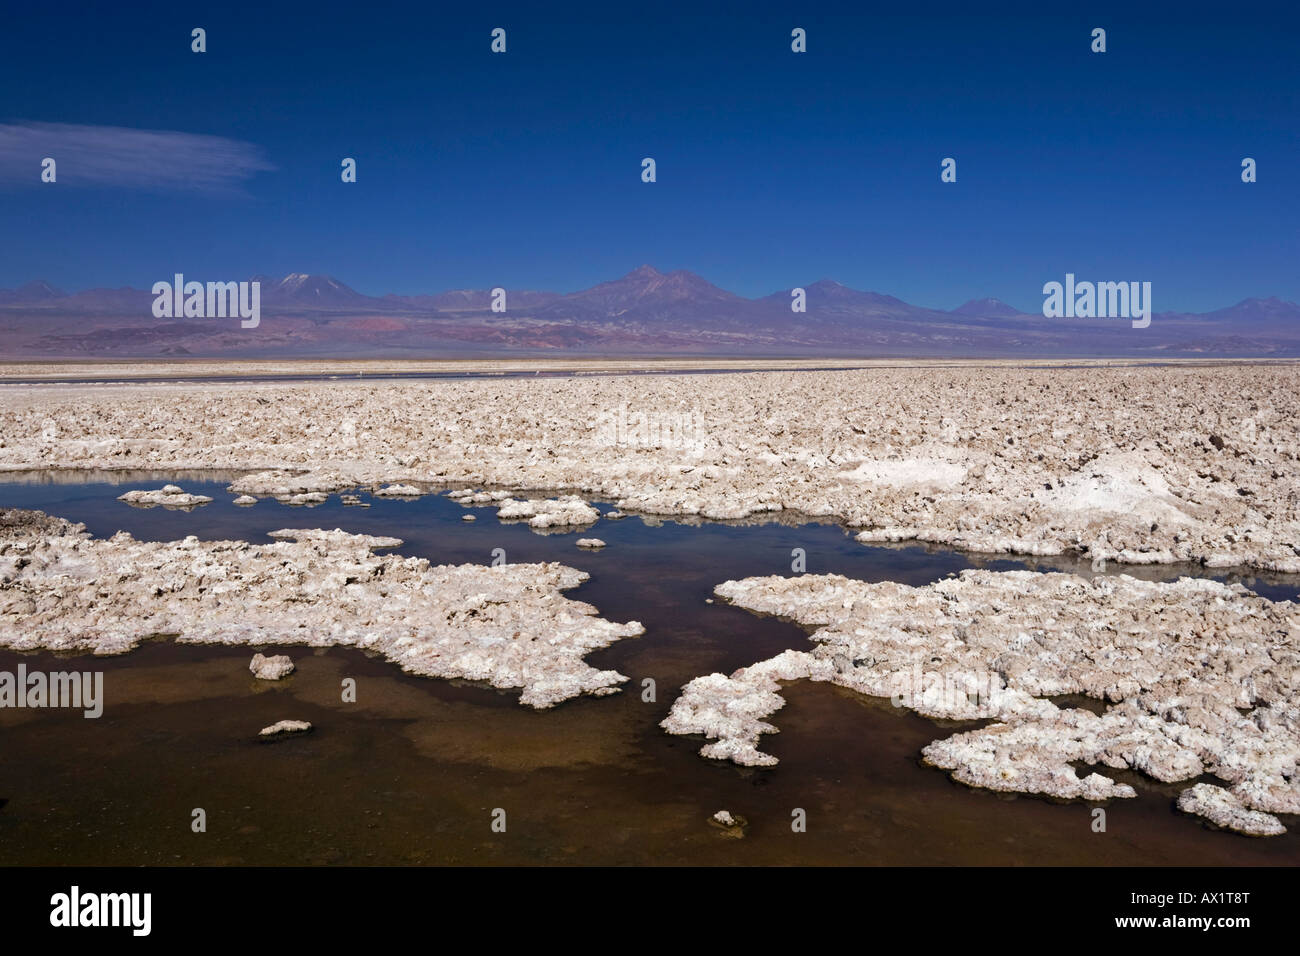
(1135, 465)
(509, 626)
(1201, 678)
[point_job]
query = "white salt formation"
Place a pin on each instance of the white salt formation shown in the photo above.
(730, 709)
(308, 498)
(244, 500)
(467, 497)
(285, 727)
(169, 496)
(1224, 809)
(594, 544)
(560, 512)
(1127, 464)
(281, 483)
(398, 491)
(510, 626)
(1201, 678)
(271, 668)
(732, 826)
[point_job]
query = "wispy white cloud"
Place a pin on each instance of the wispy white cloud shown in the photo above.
(126, 158)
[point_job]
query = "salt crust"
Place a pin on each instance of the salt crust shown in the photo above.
(276, 667)
(285, 727)
(169, 496)
(1125, 464)
(510, 625)
(1200, 677)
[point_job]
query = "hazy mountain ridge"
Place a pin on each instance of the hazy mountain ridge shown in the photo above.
(643, 312)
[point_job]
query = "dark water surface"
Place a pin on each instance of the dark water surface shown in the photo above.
(412, 771)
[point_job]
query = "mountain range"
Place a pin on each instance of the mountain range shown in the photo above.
(646, 312)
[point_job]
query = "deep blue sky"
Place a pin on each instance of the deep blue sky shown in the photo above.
(774, 169)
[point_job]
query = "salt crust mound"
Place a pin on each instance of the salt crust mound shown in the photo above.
(310, 499)
(285, 727)
(510, 626)
(398, 491)
(541, 513)
(1223, 809)
(467, 497)
(169, 496)
(1201, 678)
(1134, 465)
(275, 667)
(562, 512)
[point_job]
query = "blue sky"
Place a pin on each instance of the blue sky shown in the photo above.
(774, 169)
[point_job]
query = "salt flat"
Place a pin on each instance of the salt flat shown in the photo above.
(1137, 465)
(1133, 465)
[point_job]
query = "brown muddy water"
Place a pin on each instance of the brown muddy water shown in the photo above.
(412, 771)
